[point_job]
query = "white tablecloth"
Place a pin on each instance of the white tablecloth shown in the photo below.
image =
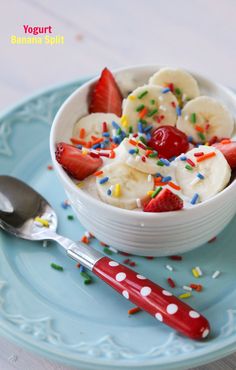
(198, 35)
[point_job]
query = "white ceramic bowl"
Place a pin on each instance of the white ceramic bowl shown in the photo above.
(147, 234)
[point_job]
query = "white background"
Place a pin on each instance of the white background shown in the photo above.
(195, 34)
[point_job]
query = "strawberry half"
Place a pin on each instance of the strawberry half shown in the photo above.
(165, 201)
(106, 96)
(74, 162)
(229, 151)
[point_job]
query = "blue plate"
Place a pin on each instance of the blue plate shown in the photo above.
(56, 315)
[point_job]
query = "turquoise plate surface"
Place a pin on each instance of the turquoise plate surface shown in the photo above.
(56, 315)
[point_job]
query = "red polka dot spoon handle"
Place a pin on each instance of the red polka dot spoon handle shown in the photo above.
(152, 298)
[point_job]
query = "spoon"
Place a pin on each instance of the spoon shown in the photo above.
(21, 206)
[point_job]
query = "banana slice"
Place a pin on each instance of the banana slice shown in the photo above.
(123, 186)
(93, 125)
(203, 118)
(134, 157)
(207, 178)
(149, 106)
(183, 85)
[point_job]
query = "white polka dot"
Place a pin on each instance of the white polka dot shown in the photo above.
(120, 276)
(125, 294)
(141, 277)
(165, 292)
(205, 333)
(146, 290)
(113, 263)
(194, 314)
(172, 309)
(158, 316)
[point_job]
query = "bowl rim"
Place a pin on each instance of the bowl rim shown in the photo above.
(107, 207)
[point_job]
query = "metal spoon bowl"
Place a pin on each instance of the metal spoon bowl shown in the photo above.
(26, 205)
(19, 206)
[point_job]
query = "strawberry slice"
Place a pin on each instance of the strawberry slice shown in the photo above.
(165, 201)
(74, 162)
(106, 96)
(229, 151)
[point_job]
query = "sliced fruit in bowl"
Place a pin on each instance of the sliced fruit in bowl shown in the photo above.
(76, 163)
(228, 148)
(165, 201)
(106, 96)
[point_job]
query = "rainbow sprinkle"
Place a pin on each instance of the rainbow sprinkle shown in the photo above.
(157, 191)
(201, 136)
(153, 155)
(98, 173)
(197, 287)
(85, 239)
(87, 278)
(176, 258)
(178, 91)
(107, 251)
(165, 162)
(193, 118)
(131, 97)
(189, 161)
(103, 180)
(215, 274)
(200, 176)
(115, 125)
(154, 111)
(185, 295)
(117, 190)
(195, 273)
(188, 288)
(174, 186)
(171, 282)
(140, 127)
(140, 107)
(194, 198)
(188, 167)
(166, 179)
(134, 310)
(124, 121)
(56, 267)
(166, 90)
(41, 221)
(140, 96)
(199, 271)
(178, 111)
(195, 181)
(206, 156)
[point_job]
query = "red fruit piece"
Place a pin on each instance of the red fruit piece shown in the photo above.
(74, 162)
(165, 201)
(168, 141)
(106, 96)
(229, 151)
